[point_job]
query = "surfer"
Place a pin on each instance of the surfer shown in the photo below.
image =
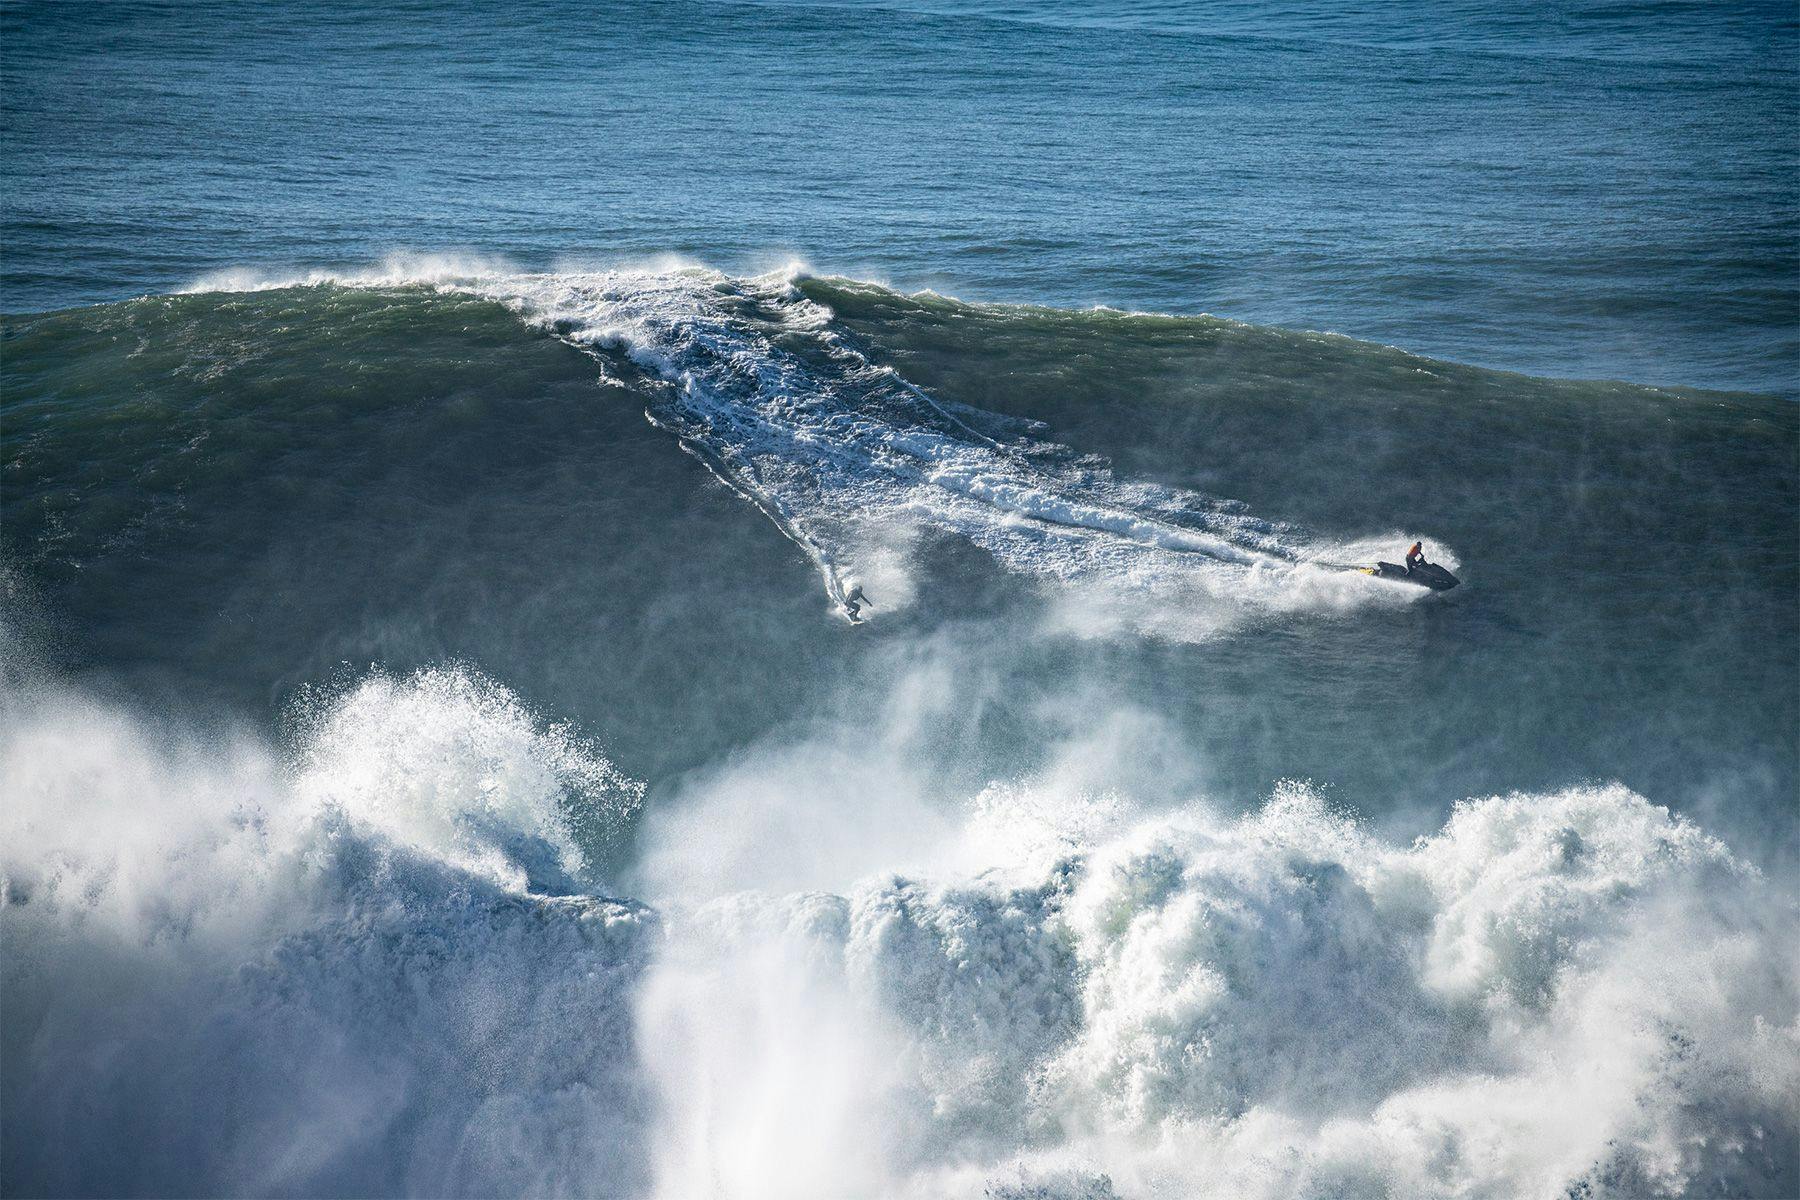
(853, 604)
(1415, 556)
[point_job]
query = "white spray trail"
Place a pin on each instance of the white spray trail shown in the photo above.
(852, 462)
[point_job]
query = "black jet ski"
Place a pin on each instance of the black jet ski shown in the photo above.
(1425, 575)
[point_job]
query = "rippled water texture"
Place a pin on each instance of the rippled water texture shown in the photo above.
(1602, 191)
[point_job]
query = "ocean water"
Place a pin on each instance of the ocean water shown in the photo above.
(686, 600)
(1597, 190)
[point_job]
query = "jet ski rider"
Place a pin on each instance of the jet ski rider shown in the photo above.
(1415, 556)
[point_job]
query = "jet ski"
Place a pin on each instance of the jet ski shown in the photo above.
(1425, 575)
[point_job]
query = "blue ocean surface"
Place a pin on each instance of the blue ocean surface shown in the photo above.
(776, 600)
(1599, 190)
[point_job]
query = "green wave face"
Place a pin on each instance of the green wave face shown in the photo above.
(248, 489)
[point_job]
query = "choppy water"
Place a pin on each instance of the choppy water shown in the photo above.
(437, 758)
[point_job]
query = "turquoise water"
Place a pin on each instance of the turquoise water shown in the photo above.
(516, 685)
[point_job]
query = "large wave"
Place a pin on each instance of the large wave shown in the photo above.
(382, 964)
(435, 942)
(854, 463)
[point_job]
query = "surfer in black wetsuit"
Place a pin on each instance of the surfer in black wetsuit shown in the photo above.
(853, 604)
(1415, 556)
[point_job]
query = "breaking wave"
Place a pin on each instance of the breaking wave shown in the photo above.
(967, 911)
(372, 968)
(381, 964)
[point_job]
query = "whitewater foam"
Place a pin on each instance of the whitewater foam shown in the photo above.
(336, 973)
(231, 974)
(1274, 1006)
(449, 763)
